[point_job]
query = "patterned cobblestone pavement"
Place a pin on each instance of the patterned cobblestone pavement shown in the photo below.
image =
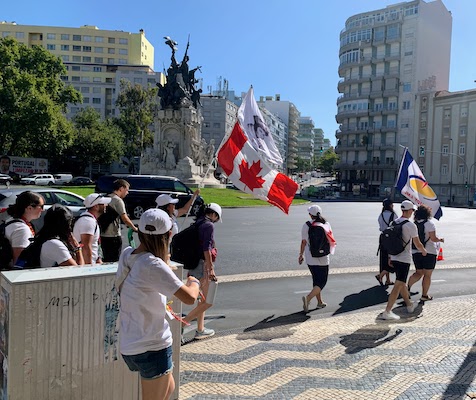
(430, 354)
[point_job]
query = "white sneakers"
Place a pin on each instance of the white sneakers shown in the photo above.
(305, 304)
(411, 308)
(389, 315)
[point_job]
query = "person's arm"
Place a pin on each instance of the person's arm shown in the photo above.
(183, 210)
(16, 253)
(419, 245)
(188, 293)
(87, 242)
(301, 251)
(125, 218)
(434, 238)
(208, 265)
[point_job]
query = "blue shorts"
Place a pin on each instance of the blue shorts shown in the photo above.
(151, 364)
(198, 272)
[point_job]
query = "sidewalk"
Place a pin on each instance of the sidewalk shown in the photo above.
(430, 354)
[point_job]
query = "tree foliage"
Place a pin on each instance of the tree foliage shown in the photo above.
(328, 160)
(33, 100)
(138, 108)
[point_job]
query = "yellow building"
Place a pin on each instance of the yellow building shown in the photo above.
(95, 59)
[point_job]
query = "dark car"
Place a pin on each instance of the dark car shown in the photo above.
(81, 180)
(144, 190)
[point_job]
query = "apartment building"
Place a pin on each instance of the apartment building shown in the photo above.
(305, 140)
(219, 117)
(95, 59)
(387, 57)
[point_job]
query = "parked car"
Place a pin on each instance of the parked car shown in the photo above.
(38, 179)
(5, 179)
(50, 195)
(81, 180)
(145, 189)
(62, 179)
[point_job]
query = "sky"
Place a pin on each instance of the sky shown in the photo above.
(281, 47)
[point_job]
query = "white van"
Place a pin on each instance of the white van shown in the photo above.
(63, 179)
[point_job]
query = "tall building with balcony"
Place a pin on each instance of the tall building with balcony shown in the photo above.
(219, 117)
(387, 57)
(305, 140)
(95, 59)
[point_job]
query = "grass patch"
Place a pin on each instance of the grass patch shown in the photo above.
(224, 197)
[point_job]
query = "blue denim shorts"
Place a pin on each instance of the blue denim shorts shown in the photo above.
(151, 364)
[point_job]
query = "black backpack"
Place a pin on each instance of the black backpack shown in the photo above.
(107, 218)
(421, 233)
(391, 239)
(6, 252)
(29, 258)
(390, 219)
(90, 216)
(185, 247)
(318, 243)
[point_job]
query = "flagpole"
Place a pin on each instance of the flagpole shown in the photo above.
(400, 168)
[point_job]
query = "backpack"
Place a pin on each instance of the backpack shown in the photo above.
(185, 247)
(90, 216)
(29, 258)
(390, 219)
(318, 243)
(391, 239)
(421, 233)
(6, 251)
(107, 218)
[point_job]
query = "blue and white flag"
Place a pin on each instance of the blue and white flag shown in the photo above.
(413, 185)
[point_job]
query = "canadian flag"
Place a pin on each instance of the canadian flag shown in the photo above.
(241, 162)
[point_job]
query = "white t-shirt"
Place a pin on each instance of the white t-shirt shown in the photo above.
(88, 225)
(384, 219)
(409, 231)
(310, 260)
(53, 253)
(430, 246)
(18, 234)
(142, 313)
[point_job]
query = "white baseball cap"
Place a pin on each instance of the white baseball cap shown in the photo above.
(165, 199)
(95, 198)
(155, 222)
(215, 207)
(407, 205)
(314, 210)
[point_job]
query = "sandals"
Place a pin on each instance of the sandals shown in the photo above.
(379, 279)
(426, 298)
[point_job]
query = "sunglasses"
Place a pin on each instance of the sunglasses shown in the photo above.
(99, 196)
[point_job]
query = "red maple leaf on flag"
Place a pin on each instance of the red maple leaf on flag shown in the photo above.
(249, 176)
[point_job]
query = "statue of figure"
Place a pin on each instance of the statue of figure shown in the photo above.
(196, 98)
(195, 151)
(210, 151)
(191, 81)
(169, 157)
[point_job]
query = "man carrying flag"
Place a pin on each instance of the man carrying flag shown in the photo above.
(413, 185)
(244, 160)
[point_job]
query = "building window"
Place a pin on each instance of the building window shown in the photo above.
(85, 89)
(407, 87)
(87, 49)
(86, 59)
(65, 47)
(76, 38)
(447, 113)
(96, 79)
(51, 36)
(20, 35)
(460, 169)
(86, 100)
(64, 78)
(462, 130)
(123, 51)
(97, 69)
(111, 50)
(444, 150)
(50, 47)
(75, 78)
(85, 79)
(96, 100)
(406, 105)
(123, 41)
(216, 125)
(122, 61)
(110, 60)
(75, 68)
(98, 39)
(64, 36)
(76, 48)
(444, 169)
(86, 38)
(137, 80)
(462, 149)
(111, 40)
(65, 58)
(99, 49)
(98, 60)
(86, 68)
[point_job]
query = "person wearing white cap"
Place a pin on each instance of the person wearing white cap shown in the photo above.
(144, 282)
(86, 229)
(205, 270)
(401, 262)
(318, 264)
(167, 203)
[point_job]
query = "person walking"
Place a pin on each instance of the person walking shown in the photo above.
(111, 240)
(167, 203)
(144, 280)
(205, 271)
(425, 265)
(86, 229)
(19, 231)
(384, 219)
(401, 262)
(318, 266)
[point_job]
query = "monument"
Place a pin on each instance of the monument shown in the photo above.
(178, 149)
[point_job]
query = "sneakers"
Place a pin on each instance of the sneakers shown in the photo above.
(321, 305)
(411, 308)
(389, 315)
(206, 333)
(305, 304)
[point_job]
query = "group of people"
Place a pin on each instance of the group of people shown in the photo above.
(420, 245)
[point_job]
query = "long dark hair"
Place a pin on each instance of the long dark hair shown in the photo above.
(318, 218)
(23, 200)
(387, 205)
(58, 225)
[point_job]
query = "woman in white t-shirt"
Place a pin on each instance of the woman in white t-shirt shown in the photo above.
(58, 245)
(144, 282)
(424, 265)
(19, 231)
(384, 219)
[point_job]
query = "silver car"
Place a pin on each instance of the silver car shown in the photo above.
(50, 195)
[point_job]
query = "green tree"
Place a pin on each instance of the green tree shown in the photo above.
(328, 160)
(96, 141)
(33, 101)
(138, 108)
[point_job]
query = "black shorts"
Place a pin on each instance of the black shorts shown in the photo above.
(424, 262)
(401, 270)
(319, 275)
